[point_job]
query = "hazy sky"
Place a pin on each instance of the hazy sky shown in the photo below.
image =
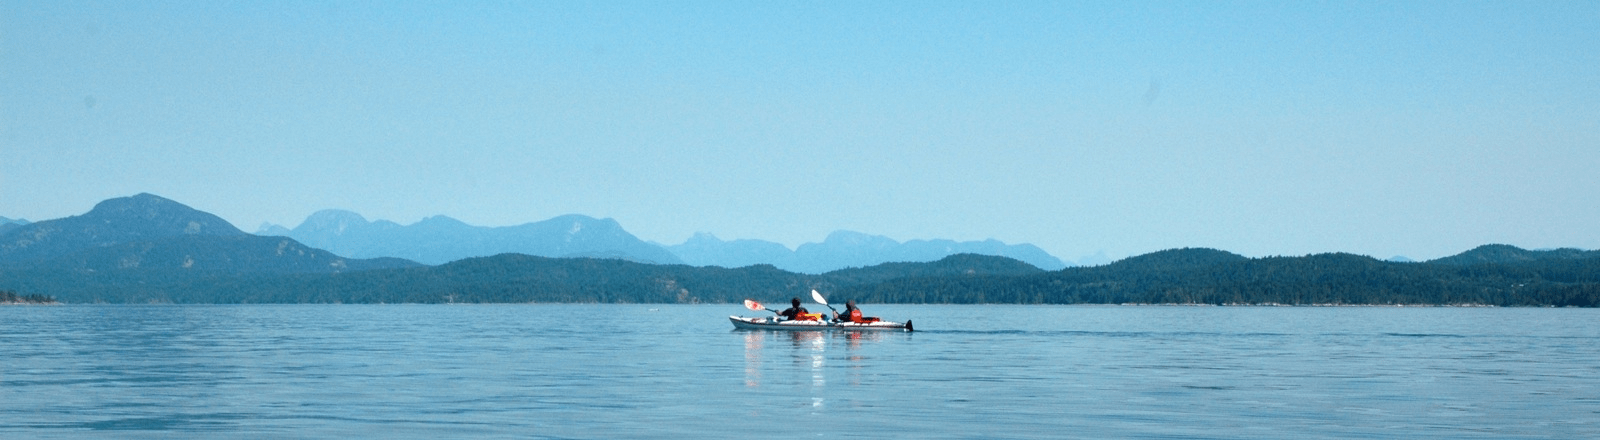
(1381, 128)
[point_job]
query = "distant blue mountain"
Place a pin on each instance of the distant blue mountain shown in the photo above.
(150, 232)
(440, 239)
(847, 249)
(139, 218)
(704, 249)
(7, 224)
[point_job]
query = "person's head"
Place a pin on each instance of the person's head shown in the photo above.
(850, 303)
(795, 302)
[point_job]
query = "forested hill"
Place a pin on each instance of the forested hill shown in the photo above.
(1206, 276)
(1181, 276)
(1507, 254)
(506, 278)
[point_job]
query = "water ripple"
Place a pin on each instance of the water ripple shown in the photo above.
(621, 371)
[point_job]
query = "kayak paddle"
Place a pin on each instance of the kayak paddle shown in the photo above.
(824, 301)
(752, 305)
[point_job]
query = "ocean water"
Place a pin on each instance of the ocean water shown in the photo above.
(682, 371)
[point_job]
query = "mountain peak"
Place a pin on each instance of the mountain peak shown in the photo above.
(147, 215)
(335, 221)
(133, 202)
(139, 218)
(440, 239)
(579, 221)
(846, 249)
(268, 229)
(704, 237)
(442, 222)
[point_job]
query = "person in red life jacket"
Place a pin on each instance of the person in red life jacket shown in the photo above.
(851, 313)
(794, 311)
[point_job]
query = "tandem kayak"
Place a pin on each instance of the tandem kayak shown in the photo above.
(773, 323)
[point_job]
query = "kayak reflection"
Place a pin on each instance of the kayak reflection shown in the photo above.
(806, 351)
(801, 356)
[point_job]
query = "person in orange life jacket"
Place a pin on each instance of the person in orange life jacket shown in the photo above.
(794, 311)
(851, 313)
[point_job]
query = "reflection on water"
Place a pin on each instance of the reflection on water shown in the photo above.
(854, 338)
(807, 352)
(752, 358)
(818, 346)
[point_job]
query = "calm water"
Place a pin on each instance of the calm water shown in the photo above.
(619, 371)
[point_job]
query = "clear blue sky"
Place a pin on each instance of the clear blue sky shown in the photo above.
(1264, 128)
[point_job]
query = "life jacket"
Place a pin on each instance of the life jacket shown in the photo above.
(793, 314)
(855, 316)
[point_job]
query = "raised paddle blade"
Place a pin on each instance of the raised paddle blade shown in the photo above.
(824, 301)
(752, 305)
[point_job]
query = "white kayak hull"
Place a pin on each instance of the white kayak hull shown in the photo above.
(741, 322)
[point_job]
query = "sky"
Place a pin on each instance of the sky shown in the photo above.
(1418, 129)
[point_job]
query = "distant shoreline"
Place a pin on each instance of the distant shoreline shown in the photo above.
(9, 298)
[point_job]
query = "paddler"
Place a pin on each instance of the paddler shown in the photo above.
(851, 313)
(794, 311)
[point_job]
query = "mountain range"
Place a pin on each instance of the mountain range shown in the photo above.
(146, 248)
(150, 232)
(438, 240)
(845, 249)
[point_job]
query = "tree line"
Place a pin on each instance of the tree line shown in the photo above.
(1184, 276)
